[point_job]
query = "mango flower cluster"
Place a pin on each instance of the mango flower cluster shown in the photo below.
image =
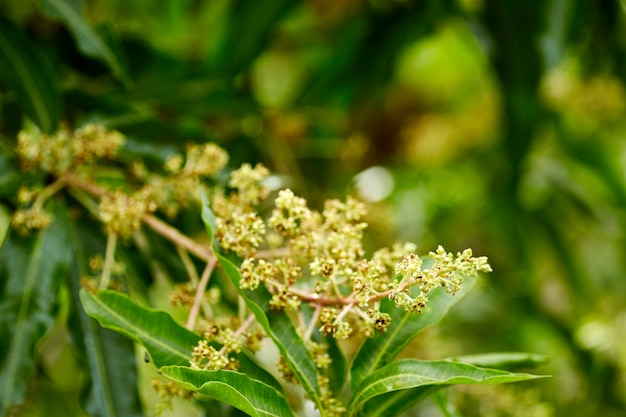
(319, 259)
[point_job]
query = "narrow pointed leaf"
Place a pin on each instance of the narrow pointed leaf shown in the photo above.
(509, 361)
(87, 39)
(166, 341)
(237, 389)
(108, 357)
(410, 373)
(31, 270)
(393, 403)
(381, 349)
(28, 73)
(277, 325)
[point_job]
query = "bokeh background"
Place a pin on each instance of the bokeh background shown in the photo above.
(496, 125)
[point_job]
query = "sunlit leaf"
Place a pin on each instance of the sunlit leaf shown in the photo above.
(234, 388)
(509, 361)
(88, 40)
(26, 70)
(411, 373)
(276, 324)
(167, 342)
(381, 349)
(31, 269)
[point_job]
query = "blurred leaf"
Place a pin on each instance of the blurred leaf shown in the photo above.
(276, 324)
(27, 71)
(338, 369)
(166, 341)
(88, 40)
(381, 349)
(109, 358)
(5, 223)
(395, 402)
(249, 29)
(234, 388)
(11, 177)
(31, 269)
(509, 361)
(411, 373)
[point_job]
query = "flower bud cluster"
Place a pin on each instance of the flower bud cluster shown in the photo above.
(123, 214)
(179, 188)
(33, 218)
(206, 356)
(328, 248)
(65, 150)
(249, 183)
(166, 391)
(239, 228)
(204, 160)
(447, 271)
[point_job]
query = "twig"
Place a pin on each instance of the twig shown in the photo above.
(48, 192)
(204, 281)
(167, 231)
(193, 278)
(316, 316)
(162, 228)
(109, 259)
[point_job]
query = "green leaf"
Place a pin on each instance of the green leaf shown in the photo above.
(237, 389)
(276, 324)
(26, 70)
(509, 361)
(411, 373)
(31, 270)
(337, 370)
(249, 30)
(166, 341)
(393, 403)
(108, 358)
(381, 349)
(87, 39)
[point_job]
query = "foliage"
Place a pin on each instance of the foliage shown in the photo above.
(476, 124)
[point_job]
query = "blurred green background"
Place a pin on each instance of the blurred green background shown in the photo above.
(497, 125)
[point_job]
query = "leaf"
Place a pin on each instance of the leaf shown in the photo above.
(108, 358)
(27, 71)
(337, 370)
(393, 403)
(31, 270)
(411, 373)
(234, 388)
(249, 29)
(276, 324)
(381, 349)
(166, 341)
(509, 361)
(88, 40)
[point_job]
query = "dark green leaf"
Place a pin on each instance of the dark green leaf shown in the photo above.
(393, 403)
(411, 373)
(337, 370)
(234, 388)
(166, 341)
(88, 40)
(109, 358)
(249, 30)
(31, 269)
(381, 349)
(276, 324)
(27, 71)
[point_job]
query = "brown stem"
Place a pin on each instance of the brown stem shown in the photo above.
(204, 281)
(162, 228)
